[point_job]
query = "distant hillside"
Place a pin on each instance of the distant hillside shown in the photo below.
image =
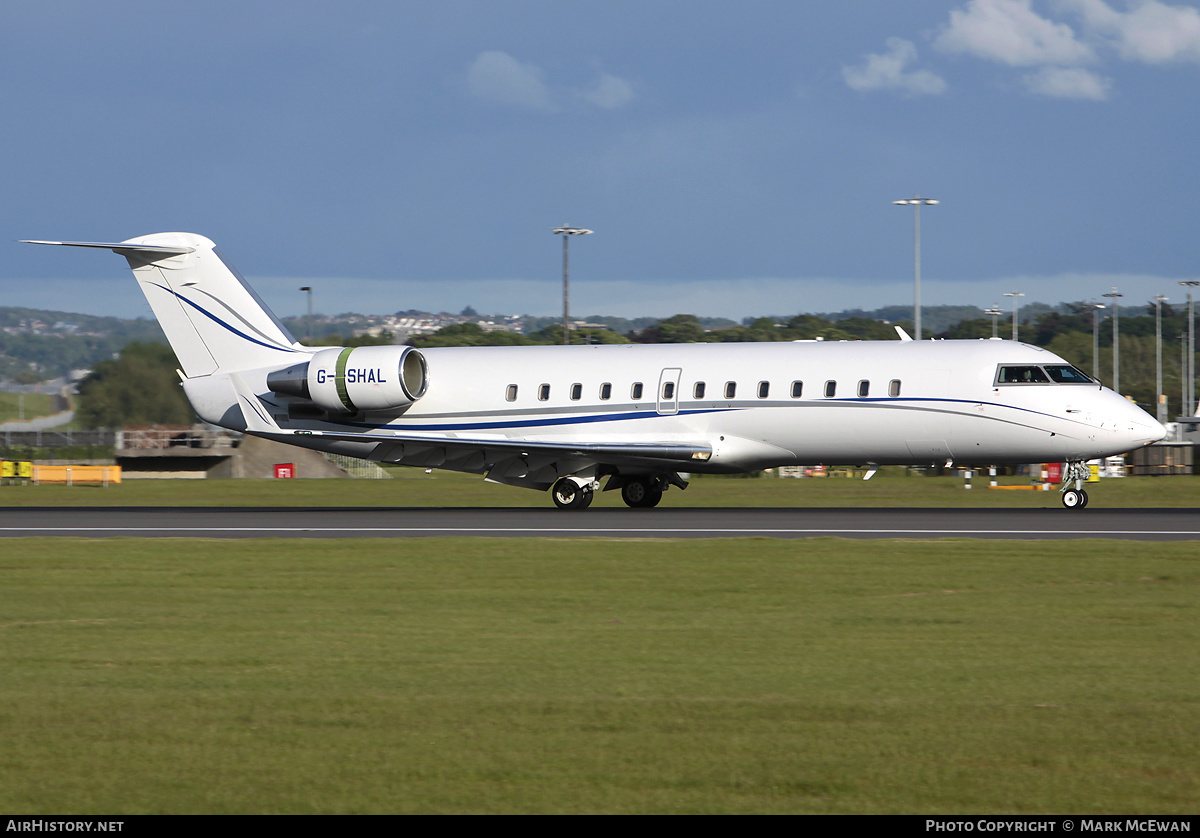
(41, 344)
(939, 319)
(37, 344)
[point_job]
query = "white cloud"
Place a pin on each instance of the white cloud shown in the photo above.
(1068, 83)
(610, 92)
(499, 78)
(1010, 32)
(1151, 32)
(887, 72)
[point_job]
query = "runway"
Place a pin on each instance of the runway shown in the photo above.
(341, 522)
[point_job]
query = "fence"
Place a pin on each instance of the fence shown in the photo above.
(358, 468)
(58, 439)
(177, 437)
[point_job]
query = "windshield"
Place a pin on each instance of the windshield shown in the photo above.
(1022, 375)
(1044, 374)
(1066, 374)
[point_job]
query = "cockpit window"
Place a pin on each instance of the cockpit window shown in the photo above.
(1047, 374)
(1021, 375)
(1066, 374)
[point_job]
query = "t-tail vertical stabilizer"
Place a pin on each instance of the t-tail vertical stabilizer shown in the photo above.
(213, 319)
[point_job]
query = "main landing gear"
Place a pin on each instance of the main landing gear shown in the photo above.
(640, 491)
(570, 495)
(1074, 497)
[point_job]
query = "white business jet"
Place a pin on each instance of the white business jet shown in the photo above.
(634, 417)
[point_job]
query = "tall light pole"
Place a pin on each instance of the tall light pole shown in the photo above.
(1114, 295)
(308, 288)
(1014, 295)
(566, 232)
(994, 312)
(916, 203)
(1160, 398)
(1183, 373)
(1096, 309)
(1189, 406)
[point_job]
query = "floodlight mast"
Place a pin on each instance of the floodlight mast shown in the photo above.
(1160, 398)
(916, 203)
(308, 288)
(566, 232)
(1114, 295)
(1189, 371)
(1096, 308)
(994, 312)
(1015, 295)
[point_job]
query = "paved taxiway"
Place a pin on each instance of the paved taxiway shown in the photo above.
(664, 522)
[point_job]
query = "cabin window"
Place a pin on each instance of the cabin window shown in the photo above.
(698, 390)
(797, 389)
(576, 392)
(830, 389)
(668, 391)
(730, 389)
(764, 389)
(636, 392)
(544, 392)
(894, 388)
(1021, 375)
(864, 389)
(605, 391)
(511, 393)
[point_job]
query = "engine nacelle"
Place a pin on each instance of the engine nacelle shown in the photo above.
(356, 379)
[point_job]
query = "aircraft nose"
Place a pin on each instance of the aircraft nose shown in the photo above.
(1139, 427)
(1147, 432)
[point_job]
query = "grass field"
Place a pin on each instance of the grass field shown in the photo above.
(472, 675)
(412, 487)
(14, 407)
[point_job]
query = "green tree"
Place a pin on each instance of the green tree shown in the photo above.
(971, 329)
(682, 328)
(139, 387)
(468, 334)
(28, 375)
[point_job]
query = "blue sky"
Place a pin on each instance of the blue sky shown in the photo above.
(734, 159)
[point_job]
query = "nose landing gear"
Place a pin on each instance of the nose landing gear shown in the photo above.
(1074, 497)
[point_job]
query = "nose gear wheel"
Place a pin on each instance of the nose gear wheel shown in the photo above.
(1073, 494)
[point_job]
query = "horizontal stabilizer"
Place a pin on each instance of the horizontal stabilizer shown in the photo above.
(123, 247)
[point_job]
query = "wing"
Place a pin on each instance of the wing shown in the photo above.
(531, 463)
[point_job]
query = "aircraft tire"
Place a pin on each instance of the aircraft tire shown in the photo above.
(639, 493)
(568, 494)
(1074, 499)
(652, 498)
